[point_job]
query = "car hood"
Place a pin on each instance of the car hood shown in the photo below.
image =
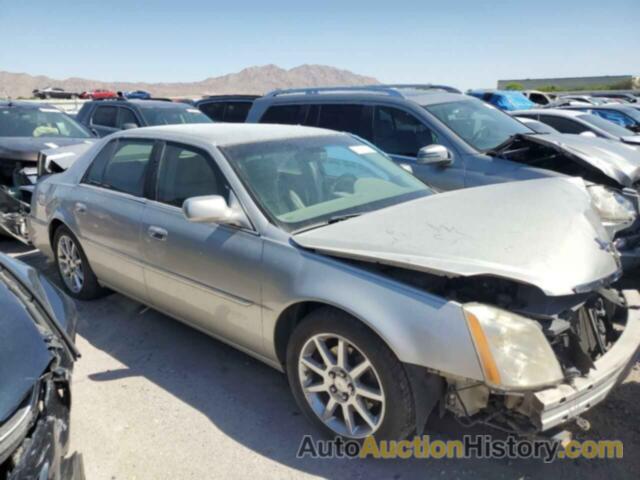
(24, 353)
(632, 139)
(540, 232)
(59, 159)
(616, 160)
(26, 148)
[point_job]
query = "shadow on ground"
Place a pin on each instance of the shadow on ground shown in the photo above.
(251, 403)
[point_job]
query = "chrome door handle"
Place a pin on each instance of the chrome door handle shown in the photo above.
(81, 208)
(157, 233)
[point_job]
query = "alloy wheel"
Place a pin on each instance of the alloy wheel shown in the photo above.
(341, 385)
(70, 264)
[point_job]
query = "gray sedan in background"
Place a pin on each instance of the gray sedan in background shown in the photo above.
(312, 251)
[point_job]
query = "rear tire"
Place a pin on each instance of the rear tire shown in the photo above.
(327, 358)
(73, 267)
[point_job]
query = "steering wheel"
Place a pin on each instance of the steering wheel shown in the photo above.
(344, 184)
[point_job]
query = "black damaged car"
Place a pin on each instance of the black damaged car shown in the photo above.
(37, 353)
(26, 129)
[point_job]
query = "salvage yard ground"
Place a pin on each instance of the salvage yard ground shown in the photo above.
(155, 399)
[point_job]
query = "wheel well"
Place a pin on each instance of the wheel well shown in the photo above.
(287, 322)
(55, 224)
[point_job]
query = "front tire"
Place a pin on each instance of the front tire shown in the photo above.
(73, 267)
(346, 380)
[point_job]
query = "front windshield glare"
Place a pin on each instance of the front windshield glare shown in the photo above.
(38, 122)
(481, 125)
(174, 116)
(305, 182)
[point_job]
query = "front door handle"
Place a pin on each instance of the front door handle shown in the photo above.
(158, 233)
(81, 208)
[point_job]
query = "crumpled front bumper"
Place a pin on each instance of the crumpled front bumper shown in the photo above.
(43, 452)
(555, 406)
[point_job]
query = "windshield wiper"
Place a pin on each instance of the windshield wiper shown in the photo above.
(334, 219)
(340, 218)
(498, 149)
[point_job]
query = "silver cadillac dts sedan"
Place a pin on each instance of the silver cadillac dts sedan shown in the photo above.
(381, 300)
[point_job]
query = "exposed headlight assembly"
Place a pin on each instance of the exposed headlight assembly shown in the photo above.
(612, 206)
(513, 351)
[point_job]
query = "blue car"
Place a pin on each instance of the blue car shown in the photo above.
(507, 100)
(137, 94)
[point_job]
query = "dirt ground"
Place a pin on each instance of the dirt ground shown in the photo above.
(155, 399)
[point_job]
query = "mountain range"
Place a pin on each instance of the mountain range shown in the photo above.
(255, 80)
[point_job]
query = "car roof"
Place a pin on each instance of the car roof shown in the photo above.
(141, 103)
(225, 134)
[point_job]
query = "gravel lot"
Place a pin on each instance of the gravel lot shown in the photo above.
(155, 399)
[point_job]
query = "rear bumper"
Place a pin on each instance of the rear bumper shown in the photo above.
(39, 235)
(554, 406)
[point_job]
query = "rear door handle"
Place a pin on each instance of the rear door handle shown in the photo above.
(157, 233)
(81, 208)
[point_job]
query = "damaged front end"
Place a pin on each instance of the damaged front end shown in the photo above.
(18, 177)
(611, 171)
(17, 182)
(34, 440)
(36, 360)
(577, 349)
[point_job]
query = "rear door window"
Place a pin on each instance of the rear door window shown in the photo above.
(125, 170)
(105, 116)
(400, 133)
(345, 118)
(215, 111)
(283, 114)
(236, 112)
(127, 116)
(563, 125)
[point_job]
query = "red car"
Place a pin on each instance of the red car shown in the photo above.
(98, 94)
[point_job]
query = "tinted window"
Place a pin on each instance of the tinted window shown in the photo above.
(237, 112)
(563, 125)
(215, 111)
(105, 116)
(185, 173)
(344, 118)
(125, 170)
(400, 133)
(127, 116)
(538, 98)
(283, 114)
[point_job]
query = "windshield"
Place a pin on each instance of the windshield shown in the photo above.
(38, 122)
(174, 116)
(606, 125)
(479, 124)
(300, 183)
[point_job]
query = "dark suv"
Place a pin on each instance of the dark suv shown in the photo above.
(107, 116)
(227, 108)
(451, 141)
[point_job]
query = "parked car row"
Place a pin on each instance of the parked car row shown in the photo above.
(345, 246)
(96, 94)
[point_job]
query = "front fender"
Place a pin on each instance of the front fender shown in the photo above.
(420, 328)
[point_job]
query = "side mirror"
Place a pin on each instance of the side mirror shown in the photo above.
(436, 155)
(129, 126)
(213, 209)
(588, 134)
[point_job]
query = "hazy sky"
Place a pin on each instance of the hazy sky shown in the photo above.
(462, 43)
